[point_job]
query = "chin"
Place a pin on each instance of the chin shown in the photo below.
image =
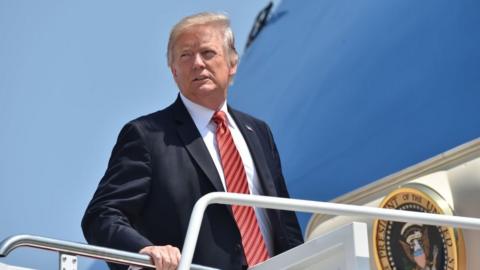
(206, 90)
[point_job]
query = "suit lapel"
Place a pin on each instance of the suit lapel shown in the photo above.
(194, 144)
(254, 145)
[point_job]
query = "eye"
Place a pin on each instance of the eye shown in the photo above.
(185, 55)
(208, 54)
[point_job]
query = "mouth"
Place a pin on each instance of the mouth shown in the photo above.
(201, 78)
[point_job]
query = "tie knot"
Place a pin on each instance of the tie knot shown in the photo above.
(220, 118)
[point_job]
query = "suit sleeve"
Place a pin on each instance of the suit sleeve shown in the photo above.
(119, 199)
(292, 226)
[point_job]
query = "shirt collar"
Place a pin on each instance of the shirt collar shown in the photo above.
(201, 115)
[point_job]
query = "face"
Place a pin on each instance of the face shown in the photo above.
(200, 66)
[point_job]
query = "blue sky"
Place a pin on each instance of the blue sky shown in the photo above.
(71, 74)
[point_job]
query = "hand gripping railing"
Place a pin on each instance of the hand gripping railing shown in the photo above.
(311, 207)
(70, 249)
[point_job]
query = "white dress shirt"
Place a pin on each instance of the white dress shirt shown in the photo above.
(202, 117)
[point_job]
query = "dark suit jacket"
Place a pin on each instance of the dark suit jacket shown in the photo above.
(159, 168)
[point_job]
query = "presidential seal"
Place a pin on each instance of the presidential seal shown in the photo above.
(411, 246)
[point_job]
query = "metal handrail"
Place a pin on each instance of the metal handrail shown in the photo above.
(311, 207)
(135, 259)
(91, 251)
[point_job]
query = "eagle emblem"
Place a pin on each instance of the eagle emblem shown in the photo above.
(412, 246)
(416, 247)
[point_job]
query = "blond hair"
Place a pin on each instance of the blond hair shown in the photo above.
(205, 18)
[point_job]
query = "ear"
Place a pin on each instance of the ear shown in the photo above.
(233, 70)
(174, 71)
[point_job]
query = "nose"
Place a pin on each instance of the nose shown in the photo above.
(198, 61)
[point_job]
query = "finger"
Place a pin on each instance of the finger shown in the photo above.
(156, 257)
(171, 258)
(177, 255)
(150, 252)
(159, 263)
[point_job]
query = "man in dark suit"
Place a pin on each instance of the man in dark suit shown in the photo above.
(164, 162)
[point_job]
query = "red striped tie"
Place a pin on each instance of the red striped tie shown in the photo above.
(236, 180)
